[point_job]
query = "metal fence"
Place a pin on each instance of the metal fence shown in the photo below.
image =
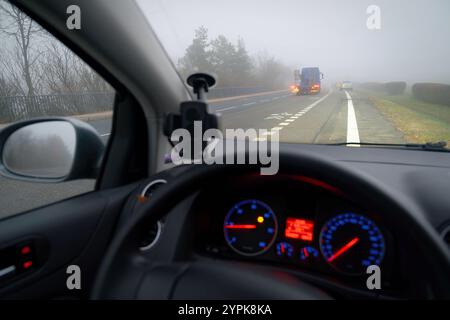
(16, 108)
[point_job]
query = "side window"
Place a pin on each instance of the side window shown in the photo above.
(39, 76)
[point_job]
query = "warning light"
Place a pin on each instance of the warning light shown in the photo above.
(25, 250)
(299, 229)
(260, 219)
(27, 264)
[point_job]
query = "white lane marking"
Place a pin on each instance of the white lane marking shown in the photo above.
(352, 125)
(277, 128)
(228, 108)
(248, 104)
(105, 134)
(283, 124)
(289, 120)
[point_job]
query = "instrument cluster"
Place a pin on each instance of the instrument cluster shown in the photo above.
(292, 222)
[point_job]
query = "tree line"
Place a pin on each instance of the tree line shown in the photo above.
(32, 62)
(231, 63)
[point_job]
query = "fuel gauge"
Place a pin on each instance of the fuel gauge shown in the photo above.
(308, 254)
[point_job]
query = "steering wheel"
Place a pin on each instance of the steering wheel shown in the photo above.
(126, 273)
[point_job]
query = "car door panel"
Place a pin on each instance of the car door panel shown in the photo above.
(72, 232)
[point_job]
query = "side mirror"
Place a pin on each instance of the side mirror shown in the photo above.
(50, 150)
(321, 75)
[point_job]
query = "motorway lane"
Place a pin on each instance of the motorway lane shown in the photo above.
(322, 118)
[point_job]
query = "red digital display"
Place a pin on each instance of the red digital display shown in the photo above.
(299, 229)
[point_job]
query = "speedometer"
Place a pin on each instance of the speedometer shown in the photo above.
(250, 227)
(351, 242)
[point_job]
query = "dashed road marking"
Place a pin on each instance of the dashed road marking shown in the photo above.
(290, 120)
(228, 108)
(277, 128)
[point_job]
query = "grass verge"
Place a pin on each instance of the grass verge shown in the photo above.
(420, 122)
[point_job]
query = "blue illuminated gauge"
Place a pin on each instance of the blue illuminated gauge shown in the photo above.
(351, 242)
(284, 249)
(250, 227)
(308, 254)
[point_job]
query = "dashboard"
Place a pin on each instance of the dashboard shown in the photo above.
(295, 222)
(304, 214)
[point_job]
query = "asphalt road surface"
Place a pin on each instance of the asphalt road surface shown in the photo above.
(329, 117)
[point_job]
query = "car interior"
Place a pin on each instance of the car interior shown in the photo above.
(153, 230)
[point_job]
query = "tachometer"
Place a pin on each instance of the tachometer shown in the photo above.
(351, 242)
(250, 227)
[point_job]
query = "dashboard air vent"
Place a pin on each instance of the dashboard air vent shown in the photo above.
(154, 232)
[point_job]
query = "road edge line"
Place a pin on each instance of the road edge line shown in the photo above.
(352, 124)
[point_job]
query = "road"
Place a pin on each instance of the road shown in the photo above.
(329, 117)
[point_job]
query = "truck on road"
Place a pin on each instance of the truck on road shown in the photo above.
(308, 81)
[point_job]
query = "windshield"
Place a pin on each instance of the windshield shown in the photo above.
(322, 72)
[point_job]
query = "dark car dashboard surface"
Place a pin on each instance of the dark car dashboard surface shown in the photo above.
(305, 226)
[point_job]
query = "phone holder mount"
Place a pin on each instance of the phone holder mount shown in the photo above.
(193, 111)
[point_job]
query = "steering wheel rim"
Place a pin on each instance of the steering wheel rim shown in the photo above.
(123, 250)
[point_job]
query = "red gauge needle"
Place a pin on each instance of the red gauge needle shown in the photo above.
(241, 226)
(345, 248)
(305, 252)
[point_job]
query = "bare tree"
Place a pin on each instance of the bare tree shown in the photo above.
(271, 73)
(59, 69)
(22, 59)
(90, 81)
(7, 88)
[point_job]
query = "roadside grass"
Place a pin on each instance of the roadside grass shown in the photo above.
(420, 122)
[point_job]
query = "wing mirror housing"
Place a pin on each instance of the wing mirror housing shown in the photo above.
(50, 150)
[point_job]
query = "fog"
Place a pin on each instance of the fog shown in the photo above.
(413, 43)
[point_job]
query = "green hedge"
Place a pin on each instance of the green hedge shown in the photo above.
(432, 92)
(395, 88)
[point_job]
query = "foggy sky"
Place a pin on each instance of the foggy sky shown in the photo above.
(413, 43)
